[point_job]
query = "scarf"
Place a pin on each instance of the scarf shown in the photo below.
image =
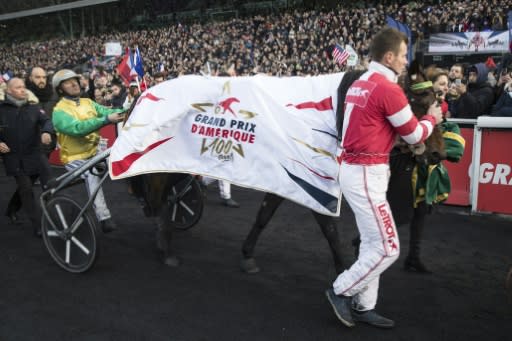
(44, 95)
(16, 102)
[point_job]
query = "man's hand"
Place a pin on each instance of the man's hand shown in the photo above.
(3, 148)
(461, 89)
(46, 138)
(504, 78)
(452, 92)
(117, 117)
(435, 110)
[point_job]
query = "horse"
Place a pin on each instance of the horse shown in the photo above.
(271, 202)
(160, 195)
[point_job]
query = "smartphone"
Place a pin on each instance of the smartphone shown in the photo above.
(458, 82)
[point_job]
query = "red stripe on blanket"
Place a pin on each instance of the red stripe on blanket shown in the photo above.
(121, 166)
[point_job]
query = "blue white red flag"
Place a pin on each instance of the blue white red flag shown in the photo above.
(137, 69)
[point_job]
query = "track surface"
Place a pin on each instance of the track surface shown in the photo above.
(129, 295)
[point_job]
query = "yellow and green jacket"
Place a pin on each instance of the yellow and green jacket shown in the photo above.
(77, 123)
(431, 183)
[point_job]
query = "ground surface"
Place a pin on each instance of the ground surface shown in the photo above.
(129, 295)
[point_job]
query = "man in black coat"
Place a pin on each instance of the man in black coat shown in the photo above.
(477, 97)
(37, 82)
(25, 127)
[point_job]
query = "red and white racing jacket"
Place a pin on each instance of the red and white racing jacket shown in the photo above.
(376, 109)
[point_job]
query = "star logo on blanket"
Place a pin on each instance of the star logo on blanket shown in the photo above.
(224, 136)
(149, 96)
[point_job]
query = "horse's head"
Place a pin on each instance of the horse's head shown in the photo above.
(128, 112)
(419, 90)
(348, 79)
(421, 95)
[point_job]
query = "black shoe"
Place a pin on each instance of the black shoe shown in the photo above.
(372, 318)
(13, 218)
(415, 265)
(108, 225)
(341, 305)
(230, 203)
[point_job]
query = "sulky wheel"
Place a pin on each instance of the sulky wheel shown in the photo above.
(70, 238)
(185, 203)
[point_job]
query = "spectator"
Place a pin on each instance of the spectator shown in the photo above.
(26, 126)
(158, 78)
(87, 85)
(37, 82)
(118, 95)
(503, 106)
(38, 85)
(439, 79)
(475, 98)
(133, 94)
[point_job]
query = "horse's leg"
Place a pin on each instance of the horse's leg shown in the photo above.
(164, 234)
(413, 262)
(330, 231)
(267, 209)
(165, 227)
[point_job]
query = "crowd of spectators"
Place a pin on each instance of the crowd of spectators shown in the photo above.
(293, 42)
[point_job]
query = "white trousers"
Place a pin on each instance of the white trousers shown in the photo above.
(364, 187)
(91, 183)
(224, 187)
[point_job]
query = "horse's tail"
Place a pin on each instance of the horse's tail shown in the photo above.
(348, 79)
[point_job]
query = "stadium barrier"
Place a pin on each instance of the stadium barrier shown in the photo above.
(491, 185)
(460, 194)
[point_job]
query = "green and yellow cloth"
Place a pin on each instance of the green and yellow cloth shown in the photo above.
(431, 183)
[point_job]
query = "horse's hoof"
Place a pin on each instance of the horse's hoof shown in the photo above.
(172, 261)
(248, 265)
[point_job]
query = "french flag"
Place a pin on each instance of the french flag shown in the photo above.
(137, 69)
(130, 66)
(124, 68)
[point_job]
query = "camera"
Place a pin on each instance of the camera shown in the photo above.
(459, 81)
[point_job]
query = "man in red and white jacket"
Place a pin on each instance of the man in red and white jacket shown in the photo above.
(376, 109)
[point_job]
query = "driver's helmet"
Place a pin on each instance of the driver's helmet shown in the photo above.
(61, 76)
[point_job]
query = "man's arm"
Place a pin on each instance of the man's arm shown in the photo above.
(405, 123)
(104, 111)
(474, 106)
(67, 124)
(45, 123)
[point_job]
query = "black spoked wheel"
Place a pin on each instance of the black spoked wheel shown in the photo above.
(70, 238)
(185, 203)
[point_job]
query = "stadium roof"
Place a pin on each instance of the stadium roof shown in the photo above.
(25, 8)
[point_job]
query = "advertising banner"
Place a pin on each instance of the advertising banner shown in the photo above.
(469, 42)
(495, 182)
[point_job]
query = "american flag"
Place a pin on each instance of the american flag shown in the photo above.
(339, 54)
